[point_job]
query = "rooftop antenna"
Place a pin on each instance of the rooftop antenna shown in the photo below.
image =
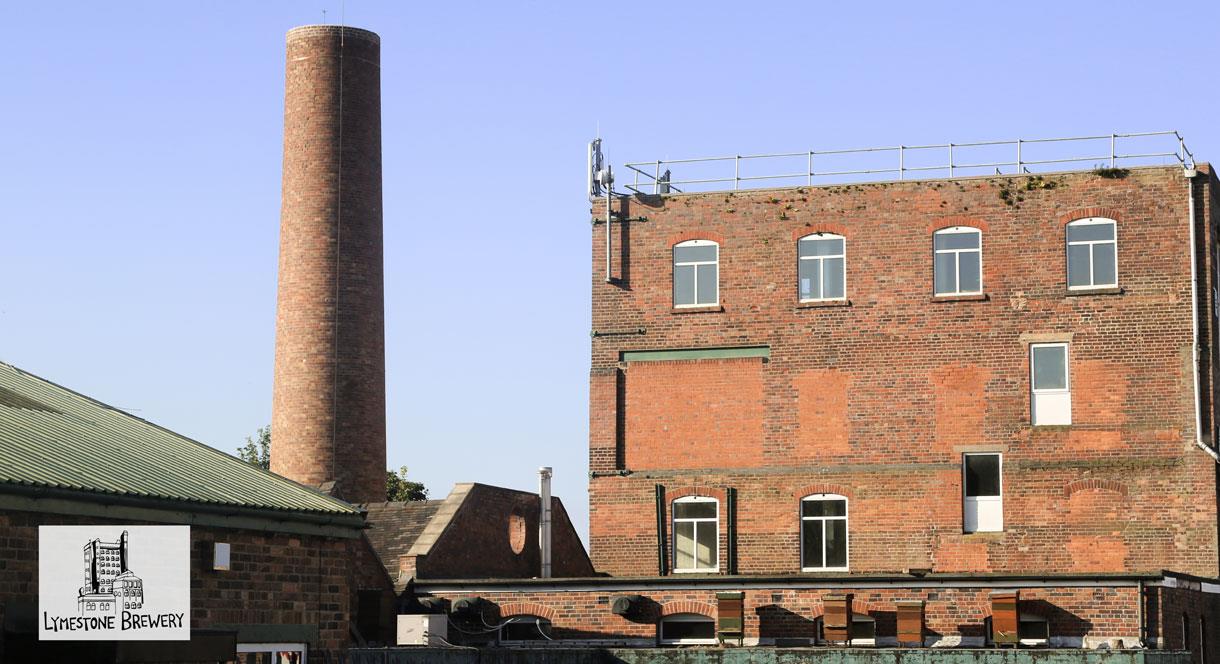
(601, 183)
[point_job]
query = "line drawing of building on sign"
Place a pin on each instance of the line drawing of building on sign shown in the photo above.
(109, 584)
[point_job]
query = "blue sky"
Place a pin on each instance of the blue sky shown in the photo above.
(140, 175)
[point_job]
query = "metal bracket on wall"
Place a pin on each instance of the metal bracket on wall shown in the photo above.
(614, 218)
(617, 333)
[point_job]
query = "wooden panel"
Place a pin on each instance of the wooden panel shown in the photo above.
(1004, 617)
(730, 615)
(910, 623)
(836, 617)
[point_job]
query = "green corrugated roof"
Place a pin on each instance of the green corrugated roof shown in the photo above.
(53, 437)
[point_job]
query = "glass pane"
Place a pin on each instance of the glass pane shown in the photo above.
(1033, 629)
(1081, 232)
(1105, 272)
(824, 507)
(811, 543)
(836, 543)
(969, 279)
(982, 475)
(810, 279)
(1050, 367)
(822, 247)
(946, 273)
(525, 628)
(704, 509)
(832, 284)
(688, 629)
(863, 629)
(684, 284)
(707, 285)
(689, 254)
(968, 240)
(1078, 265)
(705, 544)
(684, 545)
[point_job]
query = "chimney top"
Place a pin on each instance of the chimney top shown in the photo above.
(323, 30)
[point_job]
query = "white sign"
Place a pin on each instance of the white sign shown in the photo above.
(114, 583)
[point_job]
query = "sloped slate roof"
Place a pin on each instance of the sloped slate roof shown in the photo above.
(55, 438)
(394, 527)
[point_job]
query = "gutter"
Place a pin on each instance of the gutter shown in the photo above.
(28, 498)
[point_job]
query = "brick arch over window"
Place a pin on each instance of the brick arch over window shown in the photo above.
(694, 235)
(688, 606)
(527, 609)
(858, 606)
(820, 227)
(1094, 484)
(821, 487)
(674, 493)
(941, 223)
(1085, 213)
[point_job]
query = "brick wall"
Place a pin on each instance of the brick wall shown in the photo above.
(328, 406)
(954, 616)
(880, 396)
(275, 578)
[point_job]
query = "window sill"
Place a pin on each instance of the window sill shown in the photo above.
(695, 571)
(976, 297)
(821, 304)
(1051, 427)
(1107, 290)
(713, 309)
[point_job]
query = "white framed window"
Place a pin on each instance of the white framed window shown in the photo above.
(687, 629)
(272, 653)
(696, 534)
(957, 261)
(822, 267)
(1092, 253)
(521, 629)
(823, 532)
(696, 273)
(1050, 387)
(983, 501)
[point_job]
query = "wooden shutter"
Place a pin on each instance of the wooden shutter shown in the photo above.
(836, 617)
(910, 623)
(1004, 617)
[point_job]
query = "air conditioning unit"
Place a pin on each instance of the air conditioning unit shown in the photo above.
(423, 629)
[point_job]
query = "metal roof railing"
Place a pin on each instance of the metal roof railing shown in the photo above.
(949, 159)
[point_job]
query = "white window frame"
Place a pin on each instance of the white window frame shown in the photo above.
(1089, 221)
(820, 260)
(685, 617)
(994, 503)
(273, 648)
(957, 260)
(698, 265)
(821, 521)
(525, 619)
(1056, 403)
(715, 523)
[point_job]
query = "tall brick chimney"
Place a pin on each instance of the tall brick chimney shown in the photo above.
(328, 409)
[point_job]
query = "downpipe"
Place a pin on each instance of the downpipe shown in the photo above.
(1194, 318)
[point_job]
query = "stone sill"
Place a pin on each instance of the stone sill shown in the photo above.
(717, 309)
(1115, 290)
(822, 304)
(980, 297)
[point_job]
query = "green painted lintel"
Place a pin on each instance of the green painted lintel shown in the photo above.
(763, 352)
(161, 515)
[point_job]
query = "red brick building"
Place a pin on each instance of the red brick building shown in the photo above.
(909, 398)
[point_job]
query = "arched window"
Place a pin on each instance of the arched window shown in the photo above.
(1092, 253)
(958, 261)
(696, 534)
(823, 532)
(687, 629)
(525, 628)
(696, 273)
(822, 267)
